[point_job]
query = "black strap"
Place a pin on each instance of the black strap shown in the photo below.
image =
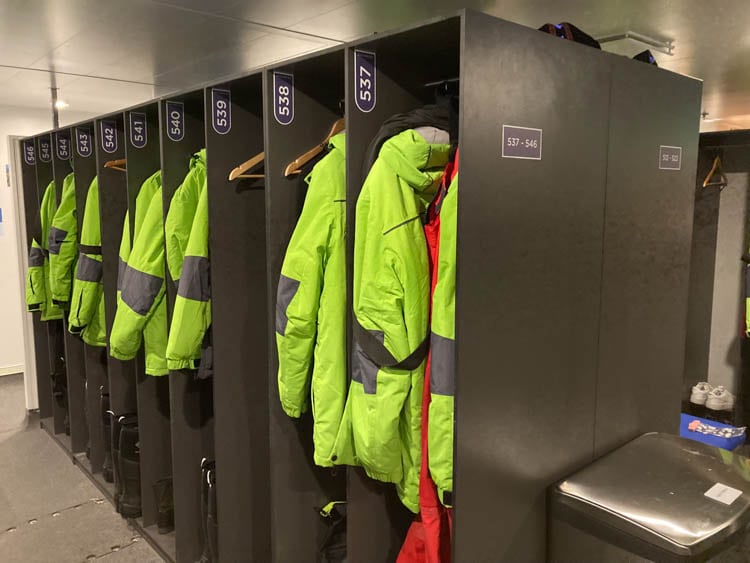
(379, 354)
(746, 258)
(88, 249)
(448, 498)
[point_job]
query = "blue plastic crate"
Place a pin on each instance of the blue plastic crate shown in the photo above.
(724, 443)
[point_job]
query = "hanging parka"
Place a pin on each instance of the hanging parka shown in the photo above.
(38, 292)
(391, 308)
(311, 307)
(63, 244)
(87, 304)
(141, 309)
(192, 309)
(443, 351)
(179, 221)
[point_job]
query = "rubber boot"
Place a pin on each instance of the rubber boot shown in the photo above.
(130, 467)
(107, 422)
(212, 524)
(206, 466)
(86, 417)
(164, 505)
(114, 424)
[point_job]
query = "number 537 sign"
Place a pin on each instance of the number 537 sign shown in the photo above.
(364, 80)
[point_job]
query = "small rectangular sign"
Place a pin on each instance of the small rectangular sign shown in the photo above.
(62, 142)
(364, 80)
(45, 150)
(723, 493)
(138, 135)
(283, 97)
(109, 136)
(175, 121)
(670, 158)
(221, 102)
(29, 153)
(522, 142)
(84, 146)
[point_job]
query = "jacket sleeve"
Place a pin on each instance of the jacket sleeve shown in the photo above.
(36, 295)
(140, 283)
(297, 302)
(179, 220)
(63, 247)
(87, 285)
(192, 308)
(443, 353)
(380, 391)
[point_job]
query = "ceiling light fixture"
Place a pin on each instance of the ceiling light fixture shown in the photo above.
(61, 104)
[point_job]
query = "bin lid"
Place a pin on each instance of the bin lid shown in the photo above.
(677, 494)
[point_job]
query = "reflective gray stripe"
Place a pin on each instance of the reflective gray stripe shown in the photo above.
(195, 283)
(89, 270)
(364, 370)
(121, 267)
(139, 290)
(56, 238)
(284, 295)
(442, 365)
(36, 257)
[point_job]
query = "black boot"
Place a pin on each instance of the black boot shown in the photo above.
(164, 505)
(206, 467)
(212, 524)
(130, 467)
(107, 422)
(114, 425)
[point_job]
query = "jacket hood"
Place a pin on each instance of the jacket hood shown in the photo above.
(416, 161)
(199, 157)
(338, 142)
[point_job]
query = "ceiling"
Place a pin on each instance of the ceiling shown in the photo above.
(108, 54)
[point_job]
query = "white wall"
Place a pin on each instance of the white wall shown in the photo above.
(727, 319)
(21, 122)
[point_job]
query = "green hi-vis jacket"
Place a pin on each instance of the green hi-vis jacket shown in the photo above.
(63, 244)
(38, 294)
(141, 314)
(192, 308)
(87, 305)
(443, 350)
(311, 307)
(391, 308)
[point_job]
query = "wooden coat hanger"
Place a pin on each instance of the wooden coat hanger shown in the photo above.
(118, 164)
(239, 171)
(709, 182)
(294, 166)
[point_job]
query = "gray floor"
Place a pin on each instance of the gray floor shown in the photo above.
(49, 510)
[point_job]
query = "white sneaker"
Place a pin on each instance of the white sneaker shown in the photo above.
(700, 392)
(719, 399)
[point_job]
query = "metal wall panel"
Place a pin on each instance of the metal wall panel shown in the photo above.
(152, 392)
(95, 358)
(296, 482)
(113, 204)
(191, 400)
(648, 231)
(529, 264)
(32, 198)
(237, 243)
(74, 356)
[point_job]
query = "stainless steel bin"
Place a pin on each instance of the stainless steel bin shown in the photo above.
(657, 498)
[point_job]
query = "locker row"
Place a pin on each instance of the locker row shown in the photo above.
(267, 330)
